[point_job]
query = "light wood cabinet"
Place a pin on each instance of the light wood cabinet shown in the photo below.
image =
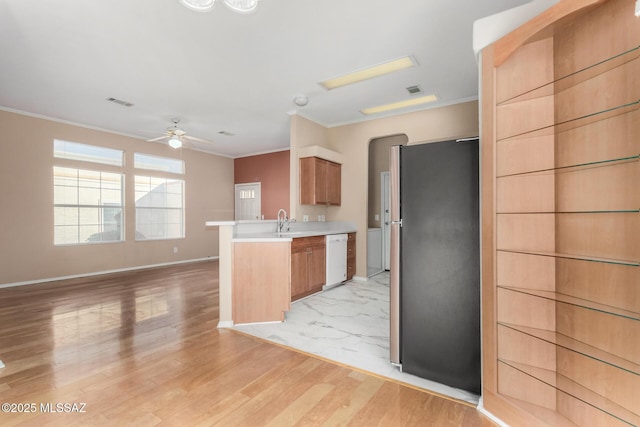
(308, 265)
(561, 257)
(351, 255)
(320, 182)
(260, 282)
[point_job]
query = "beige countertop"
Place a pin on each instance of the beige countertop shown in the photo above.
(288, 236)
(264, 231)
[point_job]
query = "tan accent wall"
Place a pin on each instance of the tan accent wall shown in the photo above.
(27, 252)
(272, 171)
(437, 124)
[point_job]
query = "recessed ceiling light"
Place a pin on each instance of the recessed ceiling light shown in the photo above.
(369, 73)
(402, 104)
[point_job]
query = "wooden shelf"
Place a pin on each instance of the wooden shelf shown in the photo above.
(578, 302)
(574, 122)
(576, 168)
(576, 346)
(629, 263)
(576, 391)
(565, 82)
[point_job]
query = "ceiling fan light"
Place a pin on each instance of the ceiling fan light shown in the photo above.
(242, 6)
(198, 5)
(174, 142)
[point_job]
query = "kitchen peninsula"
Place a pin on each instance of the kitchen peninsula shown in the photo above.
(256, 266)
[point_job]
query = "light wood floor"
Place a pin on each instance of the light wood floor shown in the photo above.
(142, 348)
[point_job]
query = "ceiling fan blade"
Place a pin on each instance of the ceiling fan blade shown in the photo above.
(157, 139)
(195, 138)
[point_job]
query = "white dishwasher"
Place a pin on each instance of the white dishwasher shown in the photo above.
(336, 259)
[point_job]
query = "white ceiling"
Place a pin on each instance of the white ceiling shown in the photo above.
(223, 71)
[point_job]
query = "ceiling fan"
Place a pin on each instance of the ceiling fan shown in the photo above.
(177, 137)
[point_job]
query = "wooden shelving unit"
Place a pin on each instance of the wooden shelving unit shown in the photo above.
(561, 218)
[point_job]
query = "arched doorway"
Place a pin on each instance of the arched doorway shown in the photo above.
(377, 218)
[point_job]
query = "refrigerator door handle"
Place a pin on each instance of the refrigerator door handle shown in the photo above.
(394, 282)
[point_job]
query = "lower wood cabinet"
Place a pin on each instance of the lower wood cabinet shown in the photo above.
(260, 282)
(351, 255)
(308, 264)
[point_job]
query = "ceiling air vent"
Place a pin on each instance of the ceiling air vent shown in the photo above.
(414, 90)
(120, 102)
(225, 133)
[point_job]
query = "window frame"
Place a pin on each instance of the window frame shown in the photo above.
(169, 177)
(78, 169)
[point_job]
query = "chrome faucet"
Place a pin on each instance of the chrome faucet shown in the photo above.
(281, 220)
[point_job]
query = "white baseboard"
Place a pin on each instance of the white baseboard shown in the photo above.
(270, 322)
(98, 273)
(225, 324)
(489, 415)
(359, 279)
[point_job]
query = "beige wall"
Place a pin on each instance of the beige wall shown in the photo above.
(379, 153)
(27, 252)
(352, 141)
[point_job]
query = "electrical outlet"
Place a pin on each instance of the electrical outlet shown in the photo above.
(305, 218)
(319, 218)
(175, 249)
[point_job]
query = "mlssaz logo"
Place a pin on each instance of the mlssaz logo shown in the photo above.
(63, 407)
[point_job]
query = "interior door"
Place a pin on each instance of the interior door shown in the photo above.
(248, 201)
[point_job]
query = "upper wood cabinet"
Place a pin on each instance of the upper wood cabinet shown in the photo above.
(561, 257)
(320, 182)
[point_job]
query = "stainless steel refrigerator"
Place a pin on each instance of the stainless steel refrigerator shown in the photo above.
(435, 262)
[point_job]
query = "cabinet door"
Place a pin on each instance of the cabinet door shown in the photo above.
(322, 177)
(317, 268)
(319, 182)
(308, 181)
(333, 181)
(351, 255)
(299, 274)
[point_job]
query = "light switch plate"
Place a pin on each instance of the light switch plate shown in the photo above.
(377, 217)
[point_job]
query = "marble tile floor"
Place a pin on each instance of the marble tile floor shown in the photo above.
(348, 324)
